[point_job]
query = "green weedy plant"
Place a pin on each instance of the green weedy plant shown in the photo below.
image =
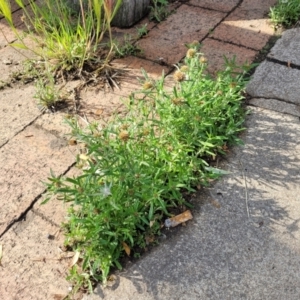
(158, 10)
(64, 37)
(285, 13)
(135, 168)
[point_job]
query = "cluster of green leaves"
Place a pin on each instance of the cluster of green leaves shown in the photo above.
(136, 167)
(66, 35)
(159, 10)
(285, 13)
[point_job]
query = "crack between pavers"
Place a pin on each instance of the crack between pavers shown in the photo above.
(233, 44)
(283, 63)
(23, 215)
(276, 99)
(30, 123)
(212, 9)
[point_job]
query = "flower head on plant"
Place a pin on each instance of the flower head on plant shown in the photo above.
(190, 53)
(179, 76)
(147, 85)
(106, 190)
(203, 60)
(124, 135)
(184, 69)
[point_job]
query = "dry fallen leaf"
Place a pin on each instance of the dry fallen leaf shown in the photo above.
(75, 258)
(59, 297)
(126, 248)
(72, 142)
(151, 223)
(98, 112)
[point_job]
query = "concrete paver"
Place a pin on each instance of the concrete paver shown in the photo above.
(276, 105)
(16, 111)
(275, 81)
(287, 47)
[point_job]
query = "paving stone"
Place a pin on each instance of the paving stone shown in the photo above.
(279, 106)
(215, 51)
(275, 81)
(30, 265)
(167, 40)
(54, 211)
(17, 110)
(25, 162)
(135, 65)
(287, 47)
(225, 5)
(246, 26)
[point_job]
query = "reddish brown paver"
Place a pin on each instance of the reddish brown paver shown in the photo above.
(168, 39)
(216, 50)
(225, 5)
(247, 26)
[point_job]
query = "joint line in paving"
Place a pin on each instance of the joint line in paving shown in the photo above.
(283, 63)
(22, 216)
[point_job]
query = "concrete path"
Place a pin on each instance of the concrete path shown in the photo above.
(243, 242)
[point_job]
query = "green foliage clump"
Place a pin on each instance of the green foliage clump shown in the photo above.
(135, 168)
(285, 13)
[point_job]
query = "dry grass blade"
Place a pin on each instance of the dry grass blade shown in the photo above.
(75, 258)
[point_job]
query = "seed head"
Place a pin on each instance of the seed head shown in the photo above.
(184, 69)
(179, 76)
(190, 53)
(194, 43)
(203, 60)
(124, 135)
(124, 126)
(177, 101)
(147, 85)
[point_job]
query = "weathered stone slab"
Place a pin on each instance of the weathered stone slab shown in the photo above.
(279, 106)
(25, 162)
(287, 48)
(17, 109)
(275, 81)
(32, 266)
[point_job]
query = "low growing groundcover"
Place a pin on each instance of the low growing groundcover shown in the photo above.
(136, 168)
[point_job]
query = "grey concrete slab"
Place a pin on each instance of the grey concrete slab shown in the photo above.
(249, 248)
(287, 47)
(275, 81)
(279, 106)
